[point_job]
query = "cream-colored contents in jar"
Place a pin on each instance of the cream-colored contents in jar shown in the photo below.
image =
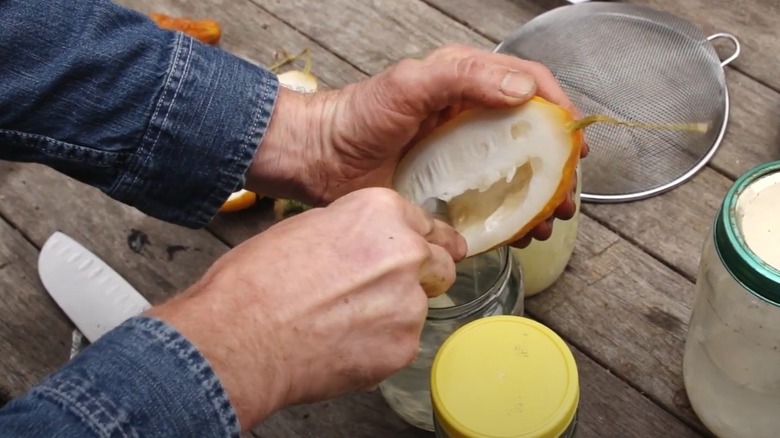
(758, 220)
(732, 357)
(543, 261)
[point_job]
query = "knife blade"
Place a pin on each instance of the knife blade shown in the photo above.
(94, 296)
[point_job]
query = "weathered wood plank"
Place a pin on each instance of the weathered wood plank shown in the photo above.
(608, 407)
(672, 226)
(753, 134)
(494, 19)
(34, 334)
(255, 35)
(372, 34)
(157, 258)
(627, 310)
(754, 23)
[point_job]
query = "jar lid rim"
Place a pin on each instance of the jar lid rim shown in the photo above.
(758, 277)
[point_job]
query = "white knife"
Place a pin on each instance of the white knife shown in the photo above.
(94, 296)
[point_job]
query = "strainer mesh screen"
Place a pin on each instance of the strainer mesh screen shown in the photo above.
(632, 64)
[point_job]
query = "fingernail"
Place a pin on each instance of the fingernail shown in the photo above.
(518, 85)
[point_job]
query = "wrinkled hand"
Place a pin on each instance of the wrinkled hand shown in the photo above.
(324, 303)
(354, 137)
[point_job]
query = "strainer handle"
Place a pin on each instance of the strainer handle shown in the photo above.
(733, 39)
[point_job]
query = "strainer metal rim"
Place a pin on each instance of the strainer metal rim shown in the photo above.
(703, 161)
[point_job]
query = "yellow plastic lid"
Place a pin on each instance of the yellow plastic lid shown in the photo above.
(504, 376)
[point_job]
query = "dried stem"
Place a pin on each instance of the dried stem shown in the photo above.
(587, 121)
(286, 58)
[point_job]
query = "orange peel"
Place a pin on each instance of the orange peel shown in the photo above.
(204, 30)
(238, 201)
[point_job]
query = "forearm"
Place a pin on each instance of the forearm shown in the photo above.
(151, 117)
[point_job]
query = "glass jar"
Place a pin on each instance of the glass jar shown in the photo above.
(543, 261)
(731, 364)
(505, 376)
(485, 284)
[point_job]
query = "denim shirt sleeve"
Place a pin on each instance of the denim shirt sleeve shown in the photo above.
(142, 379)
(152, 118)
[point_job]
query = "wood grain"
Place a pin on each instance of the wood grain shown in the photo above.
(672, 227)
(754, 23)
(255, 35)
(625, 309)
(608, 408)
(157, 258)
(372, 34)
(34, 334)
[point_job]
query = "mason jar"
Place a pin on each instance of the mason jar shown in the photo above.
(485, 284)
(543, 261)
(731, 364)
(507, 377)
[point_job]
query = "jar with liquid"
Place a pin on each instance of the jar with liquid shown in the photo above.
(485, 284)
(543, 261)
(507, 377)
(731, 364)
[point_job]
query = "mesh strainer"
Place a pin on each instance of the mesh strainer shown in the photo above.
(636, 64)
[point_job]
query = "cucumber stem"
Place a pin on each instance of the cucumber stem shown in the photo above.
(589, 120)
(287, 58)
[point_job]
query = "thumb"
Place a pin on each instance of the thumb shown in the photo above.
(434, 85)
(475, 81)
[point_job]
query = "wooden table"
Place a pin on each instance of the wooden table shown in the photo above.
(623, 304)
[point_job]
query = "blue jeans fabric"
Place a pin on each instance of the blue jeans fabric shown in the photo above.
(155, 120)
(142, 379)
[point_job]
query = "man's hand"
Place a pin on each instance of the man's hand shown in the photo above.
(324, 146)
(324, 303)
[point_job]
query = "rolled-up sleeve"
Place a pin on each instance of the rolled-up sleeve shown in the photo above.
(142, 379)
(152, 118)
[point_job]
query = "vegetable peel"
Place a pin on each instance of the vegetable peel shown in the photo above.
(238, 201)
(204, 30)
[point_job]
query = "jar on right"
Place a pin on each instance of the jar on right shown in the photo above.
(731, 364)
(543, 261)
